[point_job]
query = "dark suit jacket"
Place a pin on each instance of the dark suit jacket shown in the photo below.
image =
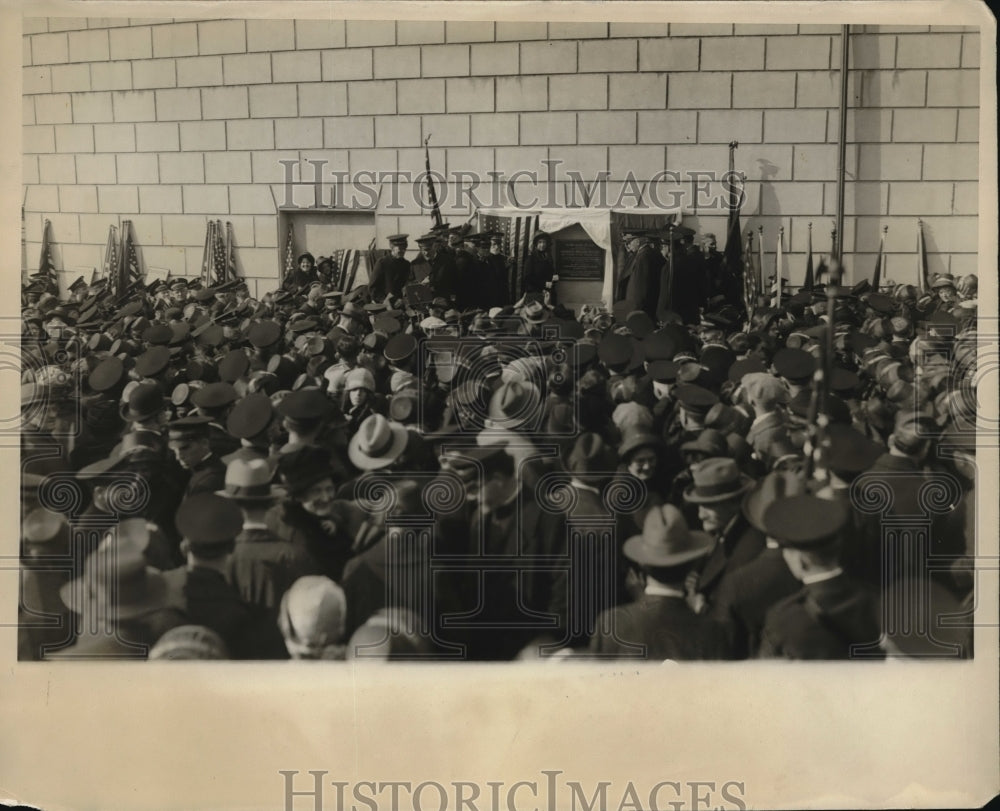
(640, 283)
(263, 567)
(207, 476)
(389, 275)
(658, 627)
(738, 545)
(744, 596)
(821, 621)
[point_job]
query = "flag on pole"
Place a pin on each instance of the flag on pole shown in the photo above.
(810, 281)
(110, 267)
(206, 254)
(230, 252)
(132, 272)
(732, 257)
(877, 276)
(750, 291)
(776, 302)
(922, 279)
(760, 264)
(289, 252)
(218, 255)
(46, 268)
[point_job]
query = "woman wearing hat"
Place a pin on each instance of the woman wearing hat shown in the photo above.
(305, 272)
(360, 399)
(643, 456)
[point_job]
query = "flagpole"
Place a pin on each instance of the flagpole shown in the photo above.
(809, 282)
(777, 267)
(760, 264)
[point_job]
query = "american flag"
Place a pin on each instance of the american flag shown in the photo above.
(518, 231)
(230, 252)
(130, 272)
(111, 257)
(289, 252)
(46, 267)
(750, 289)
(218, 255)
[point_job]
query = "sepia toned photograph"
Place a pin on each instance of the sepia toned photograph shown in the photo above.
(534, 342)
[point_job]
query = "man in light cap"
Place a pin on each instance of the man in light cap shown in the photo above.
(766, 396)
(311, 618)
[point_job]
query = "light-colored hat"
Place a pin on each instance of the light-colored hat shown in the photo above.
(312, 616)
(377, 444)
(666, 540)
(249, 480)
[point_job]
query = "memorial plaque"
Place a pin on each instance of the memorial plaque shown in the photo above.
(578, 260)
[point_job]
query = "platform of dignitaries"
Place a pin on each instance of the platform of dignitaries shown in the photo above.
(424, 468)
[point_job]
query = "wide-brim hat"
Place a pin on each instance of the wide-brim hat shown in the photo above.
(716, 479)
(513, 404)
(378, 443)
(140, 589)
(666, 540)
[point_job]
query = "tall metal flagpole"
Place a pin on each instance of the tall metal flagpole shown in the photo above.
(842, 139)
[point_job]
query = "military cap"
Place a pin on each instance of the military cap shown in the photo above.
(179, 333)
(695, 399)
(264, 333)
(640, 324)
(233, 365)
(153, 361)
(427, 238)
(615, 350)
(250, 416)
(80, 282)
(374, 342)
(398, 239)
(107, 374)
(375, 307)
(207, 294)
(794, 364)
(663, 371)
(804, 521)
(178, 284)
(387, 323)
(717, 361)
(211, 335)
(302, 325)
(658, 346)
(691, 372)
(208, 520)
(943, 280)
(399, 348)
(214, 395)
(305, 404)
(202, 370)
(190, 426)
(158, 334)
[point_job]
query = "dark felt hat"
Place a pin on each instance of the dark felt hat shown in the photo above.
(803, 521)
(208, 520)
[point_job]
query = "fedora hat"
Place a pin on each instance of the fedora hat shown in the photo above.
(590, 454)
(249, 480)
(774, 486)
(513, 404)
(132, 590)
(378, 443)
(534, 312)
(716, 479)
(666, 540)
(144, 402)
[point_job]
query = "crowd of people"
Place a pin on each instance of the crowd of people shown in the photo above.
(423, 468)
